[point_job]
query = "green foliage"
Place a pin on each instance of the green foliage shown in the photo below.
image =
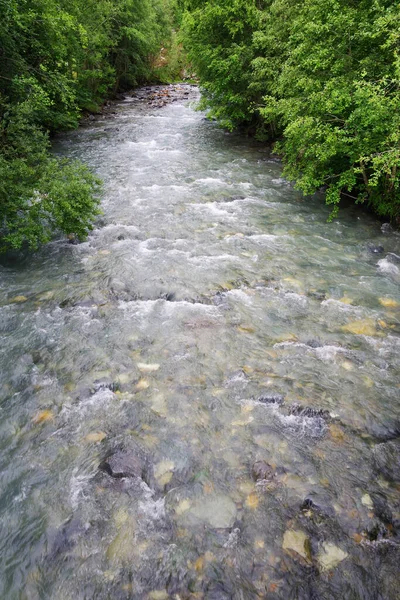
(320, 76)
(219, 41)
(172, 63)
(58, 58)
(40, 194)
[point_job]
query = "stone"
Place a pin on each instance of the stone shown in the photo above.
(123, 464)
(147, 368)
(142, 384)
(366, 500)
(361, 327)
(336, 432)
(346, 300)
(271, 399)
(68, 536)
(124, 378)
(245, 329)
(19, 299)
(299, 410)
(124, 545)
(183, 506)
(330, 556)
(296, 541)
(387, 459)
(163, 472)
(375, 249)
(95, 437)
(43, 416)
(389, 303)
(218, 511)
(261, 470)
(158, 595)
(252, 501)
(313, 343)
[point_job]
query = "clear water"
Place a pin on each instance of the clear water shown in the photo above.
(209, 284)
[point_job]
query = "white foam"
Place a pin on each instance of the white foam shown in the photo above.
(267, 239)
(240, 295)
(332, 303)
(387, 268)
(328, 353)
(77, 484)
(210, 181)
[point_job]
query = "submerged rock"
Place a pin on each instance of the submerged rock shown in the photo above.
(103, 384)
(43, 416)
(387, 459)
(217, 511)
(163, 472)
(123, 464)
(299, 410)
(147, 367)
(389, 303)
(375, 249)
(262, 471)
(272, 399)
(95, 437)
(297, 542)
(313, 343)
(330, 556)
(67, 536)
(361, 327)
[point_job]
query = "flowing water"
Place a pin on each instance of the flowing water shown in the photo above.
(231, 362)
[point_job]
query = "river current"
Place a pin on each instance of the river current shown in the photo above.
(202, 399)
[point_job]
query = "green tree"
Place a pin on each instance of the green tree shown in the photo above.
(320, 76)
(58, 58)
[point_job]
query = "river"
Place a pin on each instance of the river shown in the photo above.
(202, 399)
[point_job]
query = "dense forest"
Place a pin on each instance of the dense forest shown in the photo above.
(58, 59)
(318, 78)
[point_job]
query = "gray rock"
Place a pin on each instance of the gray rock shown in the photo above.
(217, 511)
(262, 471)
(387, 459)
(375, 249)
(271, 399)
(123, 464)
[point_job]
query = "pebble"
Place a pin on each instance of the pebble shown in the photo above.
(19, 299)
(95, 436)
(361, 327)
(43, 416)
(330, 556)
(366, 500)
(261, 470)
(183, 506)
(163, 472)
(158, 595)
(142, 384)
(252, 501)
(147, 368)
(389, 302)
(218, 511)
(297, 541)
